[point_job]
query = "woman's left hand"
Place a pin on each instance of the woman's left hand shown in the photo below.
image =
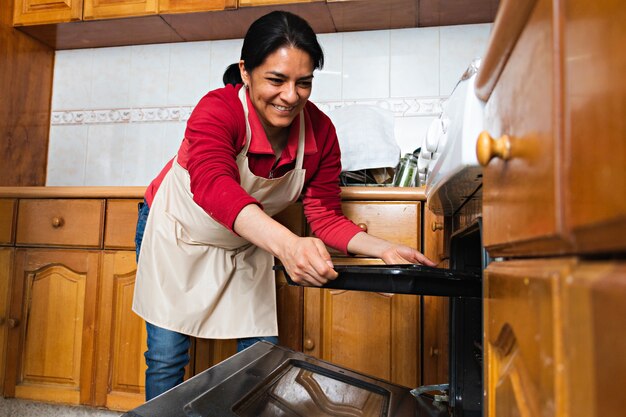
(401, 254)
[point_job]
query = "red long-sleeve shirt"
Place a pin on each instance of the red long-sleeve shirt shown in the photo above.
(214, 137)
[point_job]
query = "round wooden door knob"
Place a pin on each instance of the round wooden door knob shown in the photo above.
(488, 148)
(57, 222)
(363, 226)
(309, 344)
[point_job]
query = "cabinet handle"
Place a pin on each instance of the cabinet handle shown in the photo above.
(57, 222)
(363, 226)
(434, 351)
(436, 226)
(309, 344)
(13, 323)
(488, 148)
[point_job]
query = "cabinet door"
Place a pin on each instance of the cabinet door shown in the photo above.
(179, 6)
(373, 333)
(523, 341)
(34, 12)
(6, 266)
(104, 9)
(120, 375)
(594, 339)
(435, 310)
(595, 89)
(50, 354)
(245, 3)
(521, 195)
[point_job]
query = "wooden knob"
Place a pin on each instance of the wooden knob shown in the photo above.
(363, 226)
(13, 323)
(488, 148)
(57, 222)
(309, 344)
(436, 226)
(434, 351)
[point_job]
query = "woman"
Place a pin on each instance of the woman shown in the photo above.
(250, 149)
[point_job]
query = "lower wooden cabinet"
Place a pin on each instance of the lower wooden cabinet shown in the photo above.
(50, 355)
(121, 342)
(376, 334)
(6, 266)
(554, 338)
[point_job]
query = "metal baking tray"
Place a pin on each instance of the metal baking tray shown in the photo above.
(403, 279)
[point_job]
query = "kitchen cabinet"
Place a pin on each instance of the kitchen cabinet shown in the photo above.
(106, 9)
(53, 308)
(561, 132)
(552, 218)
(180, 6)
(345, 327)
(33, 12)
(247, 3)
(6, 268)
(121, 343)
(8, 210)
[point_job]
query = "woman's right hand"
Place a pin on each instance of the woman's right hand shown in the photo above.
(307, 261)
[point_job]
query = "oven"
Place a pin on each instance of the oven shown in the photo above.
(268, 380)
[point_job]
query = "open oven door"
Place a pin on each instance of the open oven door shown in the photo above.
(269, 380)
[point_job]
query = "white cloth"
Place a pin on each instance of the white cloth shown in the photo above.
(366, 137)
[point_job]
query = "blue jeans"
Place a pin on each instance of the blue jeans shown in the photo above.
(168, 351)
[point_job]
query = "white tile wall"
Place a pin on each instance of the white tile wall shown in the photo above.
(118, 114)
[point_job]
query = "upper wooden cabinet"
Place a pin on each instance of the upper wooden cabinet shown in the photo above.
(556, 110)
(247, 3)
(106, 9)
(29, 12)
(180, 6)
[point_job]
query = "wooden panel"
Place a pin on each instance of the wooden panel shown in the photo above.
(121, 222)
(234, 25)
(345, 327)
(7, 220)
(6, 269)
(593, 300)
(456, 12)
(517, 190)
(102, 9)
(94, 33)
(351, 15)
(248, 3)
(178, 6)
(28, 12)
(52, 345)
(120, 375)
(26, 85)
(595, 110)
(60, 223)
(523, 341)
(399, 222)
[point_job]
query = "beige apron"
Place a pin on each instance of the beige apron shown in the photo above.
(198, 278)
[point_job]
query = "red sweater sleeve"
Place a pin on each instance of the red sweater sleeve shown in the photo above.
(215, 132)
(321, 197)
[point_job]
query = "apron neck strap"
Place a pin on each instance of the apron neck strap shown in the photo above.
(246, 146)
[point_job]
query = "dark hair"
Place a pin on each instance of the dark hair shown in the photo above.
(269, 33)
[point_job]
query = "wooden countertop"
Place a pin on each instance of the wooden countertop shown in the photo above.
(347, 193)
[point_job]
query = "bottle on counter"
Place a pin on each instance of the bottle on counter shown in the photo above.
(406, 175)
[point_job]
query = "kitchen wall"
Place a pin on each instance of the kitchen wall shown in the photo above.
(118, 114)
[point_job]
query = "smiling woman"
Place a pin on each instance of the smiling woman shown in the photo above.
(206, 234)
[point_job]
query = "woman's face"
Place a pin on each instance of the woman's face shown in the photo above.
(280, 87)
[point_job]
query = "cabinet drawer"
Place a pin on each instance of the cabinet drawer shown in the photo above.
(61, 222)
(398, 222)
(121, 222)
(7, 220)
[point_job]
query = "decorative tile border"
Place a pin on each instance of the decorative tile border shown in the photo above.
(400, 107)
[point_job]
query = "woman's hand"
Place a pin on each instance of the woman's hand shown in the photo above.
(307, 261)
(401, 254)
(391, 253)
(305, 258)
